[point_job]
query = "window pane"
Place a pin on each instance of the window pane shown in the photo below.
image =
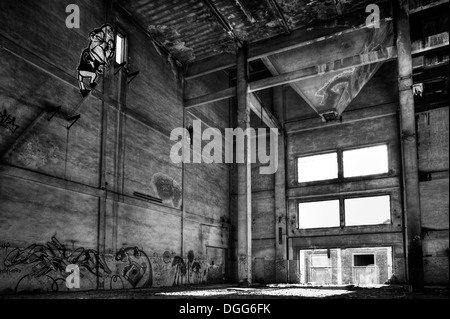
(363, 260)
(317, 167)
(120, 48)
(368, 211)
(366, 161)
(319, 214)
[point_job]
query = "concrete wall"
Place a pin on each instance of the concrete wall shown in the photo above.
(67, 195)
(370, 119)
(433, 146)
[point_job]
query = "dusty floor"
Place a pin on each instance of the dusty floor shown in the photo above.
(277, 291)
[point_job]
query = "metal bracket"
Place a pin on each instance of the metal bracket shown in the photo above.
(119, 67)
(73, 119)
(132, 76)
(55, 111)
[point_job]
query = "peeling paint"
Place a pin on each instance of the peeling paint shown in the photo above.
(167, 189)
(37, 152)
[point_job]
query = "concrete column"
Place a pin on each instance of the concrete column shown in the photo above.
(244, 201)
(280, 192)
(409, 147)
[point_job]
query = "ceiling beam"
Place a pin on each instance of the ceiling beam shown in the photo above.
(424, 6)
(264, 114)
(228, 28)
(280, 16)
(383, 55)
(211, 98)
(386, 54)
(296, 39)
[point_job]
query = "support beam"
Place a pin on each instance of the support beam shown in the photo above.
(411, 190)
(244, 201)
(302, 74)
(263, 113)
(280, 193)
(294, 40)
(424, 5)
(280, 16)
(224, 22)
(383, 55)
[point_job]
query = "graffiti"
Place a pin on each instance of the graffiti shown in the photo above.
(9, 271)
(340, 90)
(38, 151)
(167, 189)
(4, 246)
(180, 270)
(44, 267)
(167, 257)
(138, 268)
(95, 59)
(8, 122)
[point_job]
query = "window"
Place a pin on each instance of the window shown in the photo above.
(322, 214)
(367, 211)
(120, 48)
(317, 167)
(363, 260)
(366, 161)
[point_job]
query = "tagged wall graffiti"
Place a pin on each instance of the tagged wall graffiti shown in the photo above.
(340, 90)
(8, 122)
(95, 58)
(167, 189)
(43, 267)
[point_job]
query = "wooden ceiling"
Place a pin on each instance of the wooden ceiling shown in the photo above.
(193, 30)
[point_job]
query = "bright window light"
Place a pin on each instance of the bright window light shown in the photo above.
(366, 161)
(319, 214)
(120, 48)
(317, 167)
(368, 211)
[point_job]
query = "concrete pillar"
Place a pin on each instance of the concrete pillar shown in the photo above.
(280, 192)
(244, 201)
(409, 147)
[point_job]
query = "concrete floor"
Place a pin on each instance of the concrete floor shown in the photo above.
(277, 291)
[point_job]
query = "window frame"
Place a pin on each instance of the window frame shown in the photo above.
(121, 31)
(297, 167)
(343, 217)
(353, 259)
(340, 164)
(361, 177)
(324, 199)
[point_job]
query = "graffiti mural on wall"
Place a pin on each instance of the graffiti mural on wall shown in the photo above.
(50, 261)
(43, 267)
(8, 122)
(95, 58)
(167, 189)
(138, 268)
(340, 90)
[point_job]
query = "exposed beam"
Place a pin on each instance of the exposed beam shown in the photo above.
(280, 16)
(246, 11)
(211, 98)
(424, 7)
(302, 74)
(408, 132)
(263, 113)
(269, 65)
(283, 43)
(228, 28)
(384, 55)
